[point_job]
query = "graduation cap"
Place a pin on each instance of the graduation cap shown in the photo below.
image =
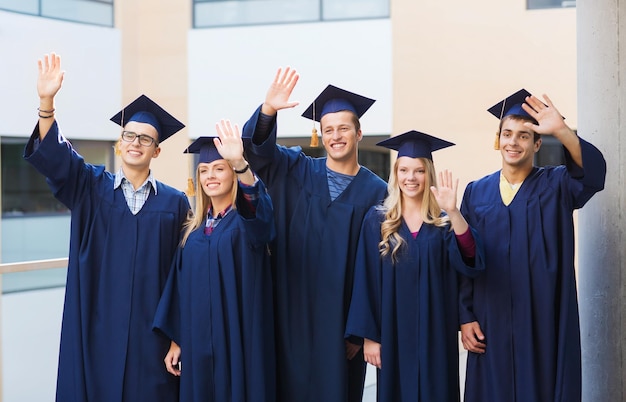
(512, 104)
(206, 148)
(145, 110)
(415, 144)
(333, 99)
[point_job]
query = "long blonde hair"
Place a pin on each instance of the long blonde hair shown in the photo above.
(391, 241)
(197, 219)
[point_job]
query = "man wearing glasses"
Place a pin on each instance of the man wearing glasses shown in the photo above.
(124, 232)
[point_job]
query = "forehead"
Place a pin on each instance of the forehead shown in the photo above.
(216, 162)
(405, 161)
(141, 128)
(515, 124)
(337, 118)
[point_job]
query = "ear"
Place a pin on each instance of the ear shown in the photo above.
(537, 145)
(157, 151)
(359, 135)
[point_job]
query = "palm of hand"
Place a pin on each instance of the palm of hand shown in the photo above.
(231, 148)
(278, 96)
(446, 198)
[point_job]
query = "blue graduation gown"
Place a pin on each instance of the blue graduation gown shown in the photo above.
(411, 309)
(313, 261)
(217, 306)
(118, 265)
(526, 302)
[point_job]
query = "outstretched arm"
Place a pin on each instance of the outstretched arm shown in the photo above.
(48, 84)
(278, 94)
(552, 123)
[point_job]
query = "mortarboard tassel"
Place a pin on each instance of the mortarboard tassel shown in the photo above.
(314, 139)
(191, 192)
(496, 143)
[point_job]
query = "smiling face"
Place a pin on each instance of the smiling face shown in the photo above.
(135, 155)
(517, 144)
(340, 136)
(412, 177)
(217, 180)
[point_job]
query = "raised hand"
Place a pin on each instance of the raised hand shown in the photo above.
(445, 192)
(50, 76)
(552, 123)
(549, 119)
(229, 143)
(278, 94)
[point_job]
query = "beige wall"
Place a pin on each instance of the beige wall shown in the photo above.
(452, 60)
(154, 62)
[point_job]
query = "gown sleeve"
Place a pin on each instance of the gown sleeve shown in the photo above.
(258, 220)
(364, 315)
(65, 170)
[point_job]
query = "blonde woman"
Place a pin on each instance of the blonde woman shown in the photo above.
(217, 304)
(404, 301)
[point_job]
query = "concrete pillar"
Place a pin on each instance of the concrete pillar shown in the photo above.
(602, 222)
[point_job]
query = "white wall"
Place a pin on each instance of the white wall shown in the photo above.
(31, 328)
(91, 90)
(242, 62)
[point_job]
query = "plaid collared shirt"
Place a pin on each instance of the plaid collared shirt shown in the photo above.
(250, 194)
(212, 222)
(135, 198)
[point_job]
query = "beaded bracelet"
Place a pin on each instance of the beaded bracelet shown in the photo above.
(242, 171)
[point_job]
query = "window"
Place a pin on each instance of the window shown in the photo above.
(551, 152)
(24, 190)
(532, 4)
(94, 12)
(216, 13)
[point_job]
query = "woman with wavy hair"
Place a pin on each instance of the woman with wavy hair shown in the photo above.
(217, 303)
(404, 300)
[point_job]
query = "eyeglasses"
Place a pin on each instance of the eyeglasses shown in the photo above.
(144, 139)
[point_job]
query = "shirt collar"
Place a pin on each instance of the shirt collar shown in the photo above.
(221, 214)
(119, 176)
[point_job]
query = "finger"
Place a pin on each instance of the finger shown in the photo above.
(218, 128)
(218, 143)
(284, 75)
(56, 62)
(45, 63)
(229, 128)
(479, 334)
(435, 191)
(225, 128)
(278, 74)
(293, 79)
(547, 99)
